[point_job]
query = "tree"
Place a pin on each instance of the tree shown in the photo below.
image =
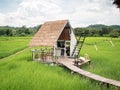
(2, 32)
(105, 30)
(114, 34)
(117, 3)
(9, 32)
(79, 31)
(16, 31)
(27, 31)
(119, 32)
(92, 32)
(100, 33)
(22, 31)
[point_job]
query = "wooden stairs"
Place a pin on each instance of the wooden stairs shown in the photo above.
(78, 46)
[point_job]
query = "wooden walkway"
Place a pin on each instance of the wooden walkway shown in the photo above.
(67, 62)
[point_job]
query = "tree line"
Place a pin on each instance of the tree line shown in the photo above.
(18, 31)
(99, 31)
(92, 30)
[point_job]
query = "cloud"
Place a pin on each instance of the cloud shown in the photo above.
(31, 12)
(96, 12)
(80, 13)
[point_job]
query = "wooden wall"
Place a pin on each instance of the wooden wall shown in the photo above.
(65, 35)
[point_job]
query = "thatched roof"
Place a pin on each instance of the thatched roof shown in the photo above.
(48, 34)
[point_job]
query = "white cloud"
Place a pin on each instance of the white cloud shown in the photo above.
(80, 13)
(30, 13)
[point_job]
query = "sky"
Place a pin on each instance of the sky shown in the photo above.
(80, 13)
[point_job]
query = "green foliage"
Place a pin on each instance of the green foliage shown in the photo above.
(101, 26)
(79, 31)
(96, 26)
(9, 32)
(2, 32)
(23, 31)
(96, 35)
(105, 30)
(98, 30)
(19, 31)
(114, 34)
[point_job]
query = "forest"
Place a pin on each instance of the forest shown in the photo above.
(97, 30)
(18, 31)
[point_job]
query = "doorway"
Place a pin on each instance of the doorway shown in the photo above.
(67, 47)
(63, 47)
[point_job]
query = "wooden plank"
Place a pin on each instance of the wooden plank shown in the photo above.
(69, 64)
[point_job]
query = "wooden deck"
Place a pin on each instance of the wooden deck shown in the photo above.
(67, 62)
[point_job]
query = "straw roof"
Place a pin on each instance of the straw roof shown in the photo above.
(49, 33)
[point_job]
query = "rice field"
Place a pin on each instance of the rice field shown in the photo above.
(10, 45)
(20, 72)
(106, 59)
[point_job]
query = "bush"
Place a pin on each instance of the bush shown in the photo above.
(114, 34)
(105, 35)
(23, 34)
(96, 35)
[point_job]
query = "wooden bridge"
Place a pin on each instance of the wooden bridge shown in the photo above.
(67, 62)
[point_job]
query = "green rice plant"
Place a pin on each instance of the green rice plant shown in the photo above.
(10, 45)
(20, 72)
(106, 60)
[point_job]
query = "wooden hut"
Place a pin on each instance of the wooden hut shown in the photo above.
(56, 34)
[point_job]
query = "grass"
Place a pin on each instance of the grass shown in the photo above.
(10, 45)
(19, 72)
(106, 60)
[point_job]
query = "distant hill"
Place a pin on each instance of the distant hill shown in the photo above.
(100, 26)
(96, 26)
(115, 26)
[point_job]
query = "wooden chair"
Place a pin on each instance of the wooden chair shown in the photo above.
(43, 56)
